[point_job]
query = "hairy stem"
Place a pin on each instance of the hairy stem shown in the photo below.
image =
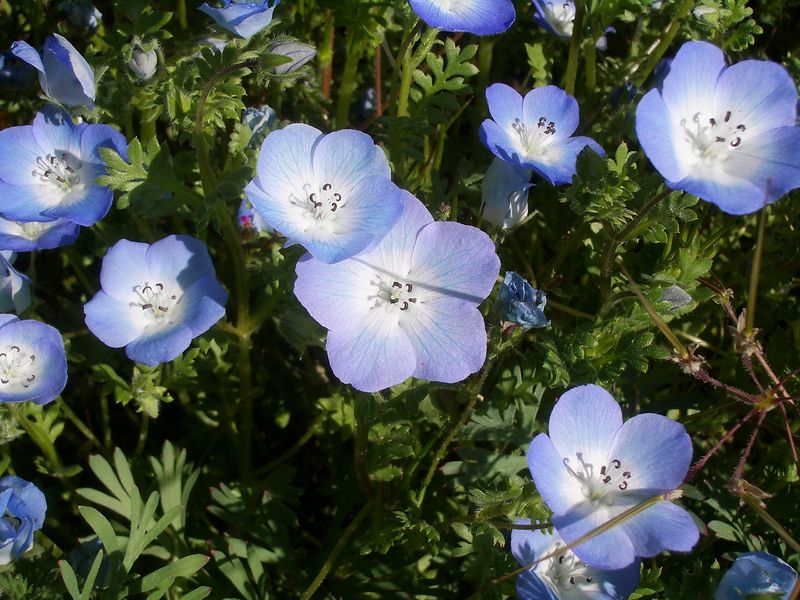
(574, 48)
(755, 273)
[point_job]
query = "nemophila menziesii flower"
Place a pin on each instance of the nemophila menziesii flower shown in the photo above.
(64, 74)
(15, 287)
(726, 134)
(250, 221)
(505, 194)
(593, 467)
(756, 574)
(330, 193)
(245, 19)
(481, 17)
(519, 302)
(33, 362)
(406, 306)
(558, 17)
(22, 510)
(534, 132)
(22, 236)
(565, 575)
(48, 169)
(299, 53)
(155, 298)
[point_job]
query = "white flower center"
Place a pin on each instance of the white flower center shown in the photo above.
(567, 571)
(561, 16)
(713, 138)
(61, 170)
(396, 295)
(319, 203)
(600, 486)
(18, 369)
(535, 141)
(156, 301)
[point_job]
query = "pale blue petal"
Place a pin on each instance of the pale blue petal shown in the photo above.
(28, 202)
(373, 354)
(557, 487)
(756, 573)
(504, 200)
(612, 549)
(27, 53)
(481, 17)
(180, 258)
(70, 79)
(344, 158)
(48, 346)
(84, 208)
(661, 141)
(448, 337)
(655, 449)
(124, 267)
(56, 133)
(689, 86)
(529, 544)
(14, 235)
(18, 154)
(203, 304)
(505, 104)
(555, 105)
(531, 587)
(26, 502)
(160, 345)
(663, 526)
(244, 20)
(500, 143)
(95, 137)
(732, 194)
(585, 420)
(113, 321)
(23, 540)
(558, 165)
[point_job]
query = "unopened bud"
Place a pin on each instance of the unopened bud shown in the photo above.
(299, 53)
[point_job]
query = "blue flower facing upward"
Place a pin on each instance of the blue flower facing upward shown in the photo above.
(726, 134)
(64, 74)
(534, 132)
(48, 170)
(330, 193)
(155, 299)
(481, 17)
(565, 575)
(520, 303)
(33, 362)
(22, 510)
(593, 467)
(756, 574)
(245, 19)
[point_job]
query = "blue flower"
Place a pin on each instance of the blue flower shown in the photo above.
(81, 13)
(556, 17)
(299, 53)
(143, 62)
(33, 362)
(481, 17)
(505, 194)
(245, 19)
(64, 74)
(534, 132)
(48, 170)
(26, 236)
(22, 510)
(250, 221)
(15, 287)
(155, 299)
(260, 121)
(407, 306)
(565, 576)
(724, 134)
(757, 574)
(520, 303)
(330, 193)
(592, 467)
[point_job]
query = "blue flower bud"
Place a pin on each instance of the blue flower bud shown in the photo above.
(520, 303)
(298, 52)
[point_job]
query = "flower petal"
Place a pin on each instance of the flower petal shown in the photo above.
(125, 266)
(612, 549)
(180, 258)
(113, 322)
(531, 587)
(689, 86)
(557, 487)
(661, 137)
(481, 17)
(663, 526)
(505, 104)
(554, 104)
(203, 304)
(499, 143)
(529, 544)
(19, 152)
(27, 53)
(159, 345)
(558, 163)
(345, 158)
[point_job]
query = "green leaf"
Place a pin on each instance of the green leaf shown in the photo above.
(184, 567)
(102, 527)
(70, 581)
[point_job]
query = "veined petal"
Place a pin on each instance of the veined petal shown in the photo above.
(731, 193)
(558, 162)
(180, 258)
(56, 133)
(28, 202)
(453, 260)
(663, 526)
(159, 345)
(24, 237)
(689, 86)
(505, 104)
(559, 489)
(661, 137)
(372, 354)
(95, 137)
(19, 152)
(585, 420)
(27, 53)
(244, 20)
(529, 544)
(284, 165)
(531, 587)
(84, 207)
(555, 105)
(500, 143)
(612, 549)
(448, 336)
(655, 449)
(114, 322)
(124, 266)
(481, 17)
(347, 157)
(203, 304)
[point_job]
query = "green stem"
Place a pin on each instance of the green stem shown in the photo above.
(590, 59)
(39, 437)
(412, 59)
(337, 550)
(663, 45)
(180, 10)
(143, 427)
(752, 295)
(574, 48)
(348, 84)
(405, 47)
(360, 451)
(755, 504)
(70, 414)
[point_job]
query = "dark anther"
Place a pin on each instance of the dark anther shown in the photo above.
(394, 300)
(311, 197)
(15, 348)
(337, 197)
(572, 580)
(405, 306)
(163, 308)
(4, 381)
(616, 463)
(627, 474)
(33, 357)
(2, 355)
(607, 479)
(409, 287)
(720, 139)
(623, 485)
(52, 159)
(560, 560)
(696, 117)
(334, 206)
(588, 580)
(326, 187)
(317, 204)
(603, 470)
(173, 297)
(740, 127)
(31, 378)
(146, 306)
(414, 300)
(397, 285)
(727, 116)
(145, 288)
(713, 121)
(542, 122)
(160, 286)
(736, 142)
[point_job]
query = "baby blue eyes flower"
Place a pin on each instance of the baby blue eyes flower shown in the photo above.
(299, 53)
(505, 194)
(330, 193)
(757, 574)
(565, 576)
(557, 17)
(26, 236)
(15, 287)
(33, 363)
(48, 170)
(155, 299)
(64, 74)
(245, 19)
(407, 306)
(534, 132)
(481, 17)
(250, 221)
(593, 467)
(726, 134)
(520, 303)
(22, 510)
